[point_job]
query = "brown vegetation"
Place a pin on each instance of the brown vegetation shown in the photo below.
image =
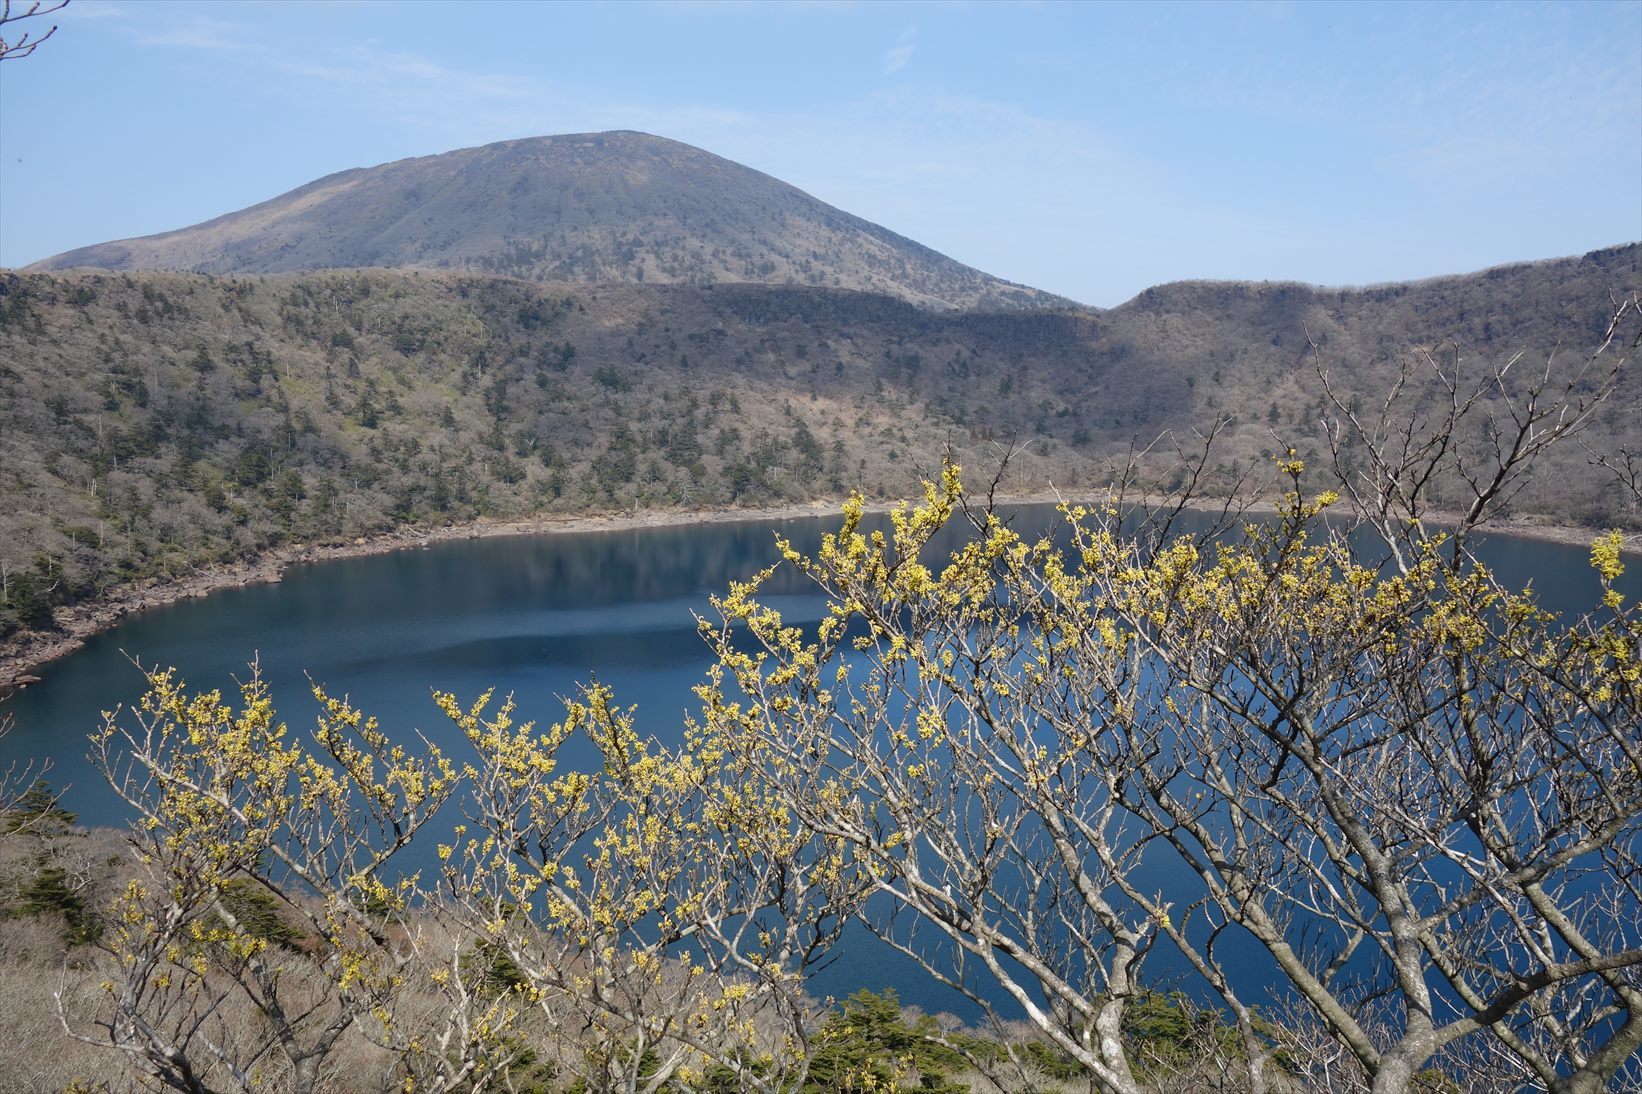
(161, 425)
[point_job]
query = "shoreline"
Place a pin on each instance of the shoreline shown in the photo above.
(22, 660)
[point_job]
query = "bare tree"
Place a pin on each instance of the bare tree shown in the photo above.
(1475, 439)
(25, 798)
(1418, 793)
(18, 48)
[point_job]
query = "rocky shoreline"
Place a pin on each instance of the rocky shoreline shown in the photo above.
(24, 657)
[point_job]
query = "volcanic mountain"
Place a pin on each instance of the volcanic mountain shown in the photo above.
(592, 207)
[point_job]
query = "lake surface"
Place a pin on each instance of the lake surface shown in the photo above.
(533, 615)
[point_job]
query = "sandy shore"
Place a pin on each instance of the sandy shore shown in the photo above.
(24, 658)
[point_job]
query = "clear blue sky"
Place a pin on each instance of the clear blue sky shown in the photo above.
(1088, 149)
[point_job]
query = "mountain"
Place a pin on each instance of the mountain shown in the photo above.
(591, 207)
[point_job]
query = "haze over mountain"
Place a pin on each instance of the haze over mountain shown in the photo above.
(591, 207)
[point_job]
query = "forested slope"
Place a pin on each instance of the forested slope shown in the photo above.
(154, 423)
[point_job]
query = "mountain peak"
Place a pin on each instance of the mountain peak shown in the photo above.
(588, 207)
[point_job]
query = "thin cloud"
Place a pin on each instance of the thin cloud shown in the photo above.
(900, 55)
(458, 107)
(206, 35)
(209, 37)
(365, 65)
(96, 9)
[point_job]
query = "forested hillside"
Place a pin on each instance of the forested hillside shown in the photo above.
(152, 423)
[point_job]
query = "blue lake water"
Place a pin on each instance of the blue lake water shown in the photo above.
(536, 616)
